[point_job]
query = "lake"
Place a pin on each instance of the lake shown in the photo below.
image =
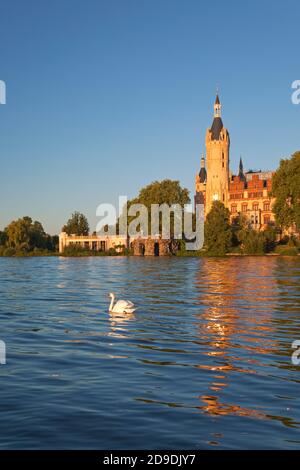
(204, 363)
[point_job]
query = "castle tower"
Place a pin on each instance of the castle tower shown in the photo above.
(201, 183)
(217, 160)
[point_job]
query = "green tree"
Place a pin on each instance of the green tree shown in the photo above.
(217, 230)
(77, 225)
(18, 233)
(286, 190)
(52, 242)
(160, 192)
(38, 237)
(239, 225)
(3, 238)
(270, 235)
(23, 234)
(252, 242)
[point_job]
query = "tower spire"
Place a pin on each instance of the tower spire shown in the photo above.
(241, 169)
(217, 124)
(241, 166)
(217, 106)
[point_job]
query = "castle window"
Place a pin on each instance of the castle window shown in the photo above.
(244, 207)
(266, 206)
(255, 195)
(267, 219)
(233, 209)
(255, 206)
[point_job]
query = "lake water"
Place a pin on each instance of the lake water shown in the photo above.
(205, 362)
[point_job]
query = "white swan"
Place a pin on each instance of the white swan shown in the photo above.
(122, 306)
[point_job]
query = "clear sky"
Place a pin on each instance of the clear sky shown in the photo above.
(104, 97)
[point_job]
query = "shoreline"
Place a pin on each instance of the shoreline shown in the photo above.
(87, 255)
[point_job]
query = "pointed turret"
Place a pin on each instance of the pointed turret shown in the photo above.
(217, 124)
(202, 172)
(241, 170)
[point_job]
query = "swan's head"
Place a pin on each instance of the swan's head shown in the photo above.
(111, 294)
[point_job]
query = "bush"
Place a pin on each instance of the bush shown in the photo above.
(252, 242)
(9, 252)
(293, 242)
(256, 243)
(76, 250)
(285, 250)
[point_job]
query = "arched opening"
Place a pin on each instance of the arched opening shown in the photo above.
(142, 249)
(156, 249)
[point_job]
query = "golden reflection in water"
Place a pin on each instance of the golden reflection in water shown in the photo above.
(236, 307)
(214, 407)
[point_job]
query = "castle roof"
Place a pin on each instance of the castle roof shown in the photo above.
(202, 175)
(216, 128)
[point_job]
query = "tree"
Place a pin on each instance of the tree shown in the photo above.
(77, 225)
(249, 240)
(252, 242)
(239, 224)
(160, 192)
(3, 238)
(38, 237)
(23, 234)
(18, 233)
(217, 230)
(286, 190)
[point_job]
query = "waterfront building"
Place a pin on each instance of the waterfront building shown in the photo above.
(93, 242)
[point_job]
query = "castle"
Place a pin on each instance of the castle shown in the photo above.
(247, 193)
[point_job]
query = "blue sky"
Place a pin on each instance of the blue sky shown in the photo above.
(104, 97)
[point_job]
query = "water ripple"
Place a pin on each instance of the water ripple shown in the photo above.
(205, 361)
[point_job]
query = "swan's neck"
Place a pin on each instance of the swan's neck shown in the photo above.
(112, 302)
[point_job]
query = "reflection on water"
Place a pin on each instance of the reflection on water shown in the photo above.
(204, 361)
(227, 294)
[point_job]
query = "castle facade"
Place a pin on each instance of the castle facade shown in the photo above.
(247, 193)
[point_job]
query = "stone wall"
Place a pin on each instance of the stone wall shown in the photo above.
(150, 247)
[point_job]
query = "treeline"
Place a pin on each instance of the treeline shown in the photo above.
(222, 237)
(23, 237)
